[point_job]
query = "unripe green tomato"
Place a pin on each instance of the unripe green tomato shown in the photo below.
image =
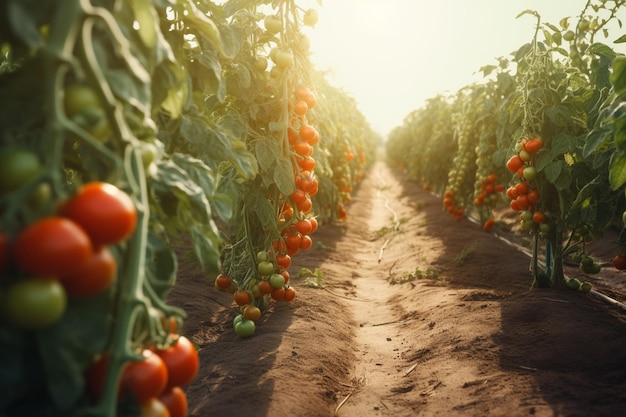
(524, 155)
(262, 256)
(277, 280)
(624, 218)
(34, 303)
(272, 24)
(238, 319)
(568, 36)
(266, 268)
(18, 167)
(245, 328)
(530, 173)
(310, 17)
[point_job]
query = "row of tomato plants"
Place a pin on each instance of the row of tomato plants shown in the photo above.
(126, 130)
(542, 134)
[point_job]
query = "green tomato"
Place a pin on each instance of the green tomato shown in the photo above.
(18, 167)
(245, 328)
(272, 24)
(624, 218)
(527, 215)
(265, 268)
(238, 318)
(283, 59)
(586, 261)
(530, 173)
(35, 302)
(262, 256)
(277, 280)
(79, 97)
(40, 196)
(310, 17)
(573, 284)
(524, 155)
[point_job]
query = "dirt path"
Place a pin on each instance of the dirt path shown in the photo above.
(441, 322)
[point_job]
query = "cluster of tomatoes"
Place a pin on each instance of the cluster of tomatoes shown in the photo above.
(487, 196)
(154, 383)
(66, 254)
(448, 202)
(524, 197)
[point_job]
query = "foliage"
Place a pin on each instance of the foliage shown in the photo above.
(546, 122)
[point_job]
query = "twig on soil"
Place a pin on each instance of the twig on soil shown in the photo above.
(411, 369)
(528, 368)
(385, 323)
(342, 403)
(555, 300)
(382, 249)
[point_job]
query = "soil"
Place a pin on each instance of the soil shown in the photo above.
(412, 314)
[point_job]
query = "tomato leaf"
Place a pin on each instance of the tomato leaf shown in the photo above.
(283, 176)
(617, 169)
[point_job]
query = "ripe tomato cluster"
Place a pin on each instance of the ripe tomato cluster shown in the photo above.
(448, 202)
(153, 383)
(66, 254)
(524, 197)
(487, 197)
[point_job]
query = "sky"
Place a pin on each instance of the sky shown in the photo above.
(392, 55)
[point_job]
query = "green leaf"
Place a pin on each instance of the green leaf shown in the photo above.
(146, 19)
(602, 49)
(617, 170)
(264, 211)
(553, 170)
(618, 76)
(267, 152)
(621, 39)
(283, 176)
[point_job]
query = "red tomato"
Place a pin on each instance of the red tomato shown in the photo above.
(489, 223)
(93, 276)
(304, 226)
(290, 294)
(306, 242)
(182, 362)
(619, 262)
(514, 163)
(314, 224)
(153, 407)
(175, 400)
(107, 213)
(283, 261)
(222, 281)
(309, 134)
(144, 379)
(533, 145)
(52, 247)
